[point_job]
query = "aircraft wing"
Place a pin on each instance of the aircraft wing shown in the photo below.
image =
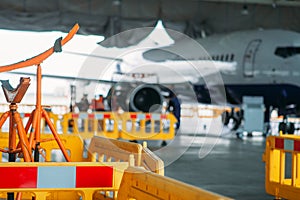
(71, 78)
(188, 58)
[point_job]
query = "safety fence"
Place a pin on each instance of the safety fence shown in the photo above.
(282, 165)
(49, 149)
(139, 184)
(112, 170)
(107, 150)
(128, 125)
(64, 180)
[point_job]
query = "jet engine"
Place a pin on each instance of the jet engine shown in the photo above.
(135, 97)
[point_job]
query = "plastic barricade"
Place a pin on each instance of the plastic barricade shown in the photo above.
(68, 180)
(151, 162)
(147, 126)
(49, 149)
(89, 124)
(25, 116)
(139, 184)
(107, 150)
(128, 126)
(282, 163)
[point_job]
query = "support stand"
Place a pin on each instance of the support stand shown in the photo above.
(27, 145)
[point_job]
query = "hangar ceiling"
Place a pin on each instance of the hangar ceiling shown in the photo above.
(108, 17)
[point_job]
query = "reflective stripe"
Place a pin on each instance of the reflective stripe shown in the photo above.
(106, 115)
(90, 176)
(163, 116)
(148, 116)
(141, 116)
(83, 115)
(296, 145)
(279, 143)
(56, 177)
(91, 116)
(156, 116)
(133, 116)
(75, 115)
(18, 177)
(99, 116)
(289, 145)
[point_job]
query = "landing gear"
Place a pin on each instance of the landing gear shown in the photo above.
(286, 127)
(233, 118)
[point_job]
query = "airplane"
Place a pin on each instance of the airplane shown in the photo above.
(72, 67)
(266, 63)
(221, 68)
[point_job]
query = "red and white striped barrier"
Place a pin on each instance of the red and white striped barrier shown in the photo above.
(287, 144)
(56, 177)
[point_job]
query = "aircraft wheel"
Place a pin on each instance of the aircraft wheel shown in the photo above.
(225, 118)
(238, 117)
(286, 128)
(282, 127)
(290, 128)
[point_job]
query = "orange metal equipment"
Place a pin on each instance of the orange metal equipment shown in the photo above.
(13, 96)
(16, 125)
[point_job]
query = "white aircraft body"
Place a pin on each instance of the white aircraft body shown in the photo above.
(264, 63)
(246, 63)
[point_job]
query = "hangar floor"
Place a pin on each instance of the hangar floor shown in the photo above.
(233, 167)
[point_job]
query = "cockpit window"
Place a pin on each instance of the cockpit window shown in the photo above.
(286, 52)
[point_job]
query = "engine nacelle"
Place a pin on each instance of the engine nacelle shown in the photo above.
(135, 97)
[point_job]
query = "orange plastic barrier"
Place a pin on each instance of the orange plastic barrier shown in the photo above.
(282, 161)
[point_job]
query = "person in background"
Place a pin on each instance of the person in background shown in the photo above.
(83, 105)
(174, 108)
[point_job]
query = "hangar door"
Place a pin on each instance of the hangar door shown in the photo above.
(249, 57)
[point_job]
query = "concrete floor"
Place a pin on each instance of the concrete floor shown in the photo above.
(232, 167)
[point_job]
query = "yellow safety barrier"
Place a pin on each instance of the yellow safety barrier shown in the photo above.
(104, 179)
(72, 143)
(89, 124)
(128, 126)
(152, 162)
(139, 184)
(147, 126)
(107, 150)
(67, 180)
(282, 164)
(25, 116)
